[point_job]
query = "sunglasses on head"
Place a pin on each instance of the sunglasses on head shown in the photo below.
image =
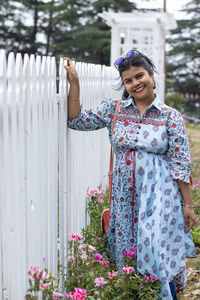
(122, 58)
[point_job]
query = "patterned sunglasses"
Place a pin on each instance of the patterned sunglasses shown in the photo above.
(122, 58)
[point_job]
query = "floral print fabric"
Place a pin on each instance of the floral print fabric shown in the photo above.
(151, 154)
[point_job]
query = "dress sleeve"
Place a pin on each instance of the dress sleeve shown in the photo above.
(94, 119)
(178, 151)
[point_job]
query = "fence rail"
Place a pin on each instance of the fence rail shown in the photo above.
(45, 169)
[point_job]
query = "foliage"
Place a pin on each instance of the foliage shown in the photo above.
(97, 200)
(59, 27)
(196, 235)
(89, 274)
(195, 199)
(175, 100)
(183, 59)
(41, 283)
(195, 185)
(90, 270)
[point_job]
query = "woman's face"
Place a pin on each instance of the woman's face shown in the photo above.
(139, 83)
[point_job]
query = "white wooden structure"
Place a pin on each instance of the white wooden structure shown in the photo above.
(144, 32)
(45, 169)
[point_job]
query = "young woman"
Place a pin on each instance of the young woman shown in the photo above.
(151, 200)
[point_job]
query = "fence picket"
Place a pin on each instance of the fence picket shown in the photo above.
(43, 165)
(3, 174)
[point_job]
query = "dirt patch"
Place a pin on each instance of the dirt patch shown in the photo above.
(192, 290)
(194, 141)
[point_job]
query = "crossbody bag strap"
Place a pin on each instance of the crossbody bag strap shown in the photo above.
(110, 173)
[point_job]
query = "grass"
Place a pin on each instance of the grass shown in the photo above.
(193, 131)
(192, 290)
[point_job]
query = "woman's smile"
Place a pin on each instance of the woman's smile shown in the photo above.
(139, 84)
(140, 89)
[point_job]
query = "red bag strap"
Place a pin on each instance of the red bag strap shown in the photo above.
(110, 173)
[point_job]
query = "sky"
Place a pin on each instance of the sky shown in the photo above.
(173, 6)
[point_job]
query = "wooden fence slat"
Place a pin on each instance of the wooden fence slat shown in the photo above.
(3, 115)
(44, 165)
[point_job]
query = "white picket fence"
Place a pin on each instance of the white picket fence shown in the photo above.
(45, 169)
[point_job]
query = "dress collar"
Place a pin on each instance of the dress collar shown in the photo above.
(156, 103)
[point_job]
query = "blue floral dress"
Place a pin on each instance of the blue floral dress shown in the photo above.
(151, 154)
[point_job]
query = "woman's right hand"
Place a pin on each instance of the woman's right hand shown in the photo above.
(71, 70)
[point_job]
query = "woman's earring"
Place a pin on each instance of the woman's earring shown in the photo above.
(154, 84)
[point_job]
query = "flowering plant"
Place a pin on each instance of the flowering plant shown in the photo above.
(41, 285)
(93, 272)
(97, 200)
(89, 267)
(89, 273)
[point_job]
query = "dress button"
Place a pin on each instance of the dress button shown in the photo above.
(138, 132)
(139, 126)
(140, 121)
(135, 140)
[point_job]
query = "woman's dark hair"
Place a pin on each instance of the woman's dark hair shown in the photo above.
(138, 59)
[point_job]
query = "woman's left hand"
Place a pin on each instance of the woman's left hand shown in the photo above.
(190, 217)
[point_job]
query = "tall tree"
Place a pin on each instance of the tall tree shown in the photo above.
(80, 32)
(183, 60)
(61, 27)
(20, 26)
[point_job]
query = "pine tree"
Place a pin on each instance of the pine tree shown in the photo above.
(19, 26)
(81, 34)
(183, 61)
(60, 27)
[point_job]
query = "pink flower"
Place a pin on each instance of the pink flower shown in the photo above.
(44, 275)
(124, 253)
(75, 296)
(81, 292)
(113, 274)
(104, 263)
(84, 257)
(56, 295)
(96, 193)
(70, 258)
(100, 281)
(82, 247)
(130, 254)
(101, 199)
(91, 248)
(128, 270)
(72, 295)
(76, 237)
(153, 278)
(98, 256)
(44, 286)
(133, 249)
(146, 278)
(34, 271)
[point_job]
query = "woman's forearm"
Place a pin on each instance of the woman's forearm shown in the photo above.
(186, 193)
(74, 106)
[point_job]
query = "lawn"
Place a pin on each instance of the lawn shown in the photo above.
(192, 290)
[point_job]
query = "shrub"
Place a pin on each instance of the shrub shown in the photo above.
(89, 273)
